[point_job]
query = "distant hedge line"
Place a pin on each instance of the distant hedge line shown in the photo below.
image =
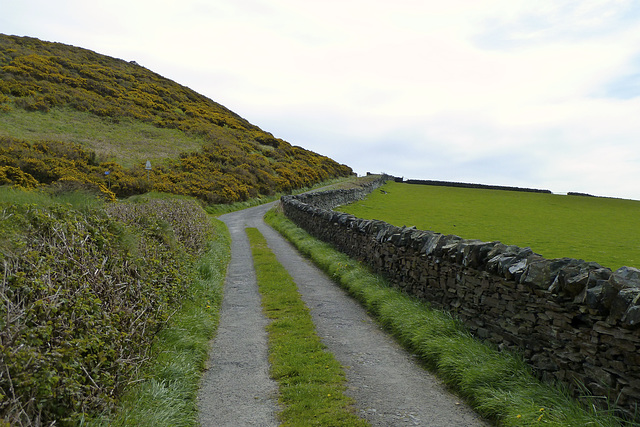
(468, 185)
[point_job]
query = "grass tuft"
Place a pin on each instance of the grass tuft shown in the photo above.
(77, 199)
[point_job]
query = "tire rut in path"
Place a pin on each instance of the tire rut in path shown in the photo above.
(388, 385)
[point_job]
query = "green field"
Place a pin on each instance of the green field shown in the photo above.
(603, 230)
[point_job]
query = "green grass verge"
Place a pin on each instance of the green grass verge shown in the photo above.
(166, 394)
(603, 230)
(77, 199)
(498, 385)
(311, 381)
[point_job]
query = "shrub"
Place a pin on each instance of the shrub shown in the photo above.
(84, 293)
(10, 175)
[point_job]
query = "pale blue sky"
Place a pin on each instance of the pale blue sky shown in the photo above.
(541, 93)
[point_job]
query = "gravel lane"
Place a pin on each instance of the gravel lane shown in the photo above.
(389, 386)
(236, 390)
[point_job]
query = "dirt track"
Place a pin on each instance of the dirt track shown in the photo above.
(389, 387)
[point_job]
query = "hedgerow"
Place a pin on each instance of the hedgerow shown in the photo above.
(83, 293)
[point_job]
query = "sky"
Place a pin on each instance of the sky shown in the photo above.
(540, 94)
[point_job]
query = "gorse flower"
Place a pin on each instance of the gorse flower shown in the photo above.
(541, 415)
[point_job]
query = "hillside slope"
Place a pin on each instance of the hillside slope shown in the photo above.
(113, 115)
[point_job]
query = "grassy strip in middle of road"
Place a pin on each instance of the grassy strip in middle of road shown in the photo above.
(311, 381)
(497, 384)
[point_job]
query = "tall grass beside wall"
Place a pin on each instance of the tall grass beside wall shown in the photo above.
(498, 385)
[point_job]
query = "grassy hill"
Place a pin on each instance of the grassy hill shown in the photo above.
(69, 115)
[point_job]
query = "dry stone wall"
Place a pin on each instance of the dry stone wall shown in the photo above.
(574, 321)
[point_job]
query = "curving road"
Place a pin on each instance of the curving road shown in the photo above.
(388, 385)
